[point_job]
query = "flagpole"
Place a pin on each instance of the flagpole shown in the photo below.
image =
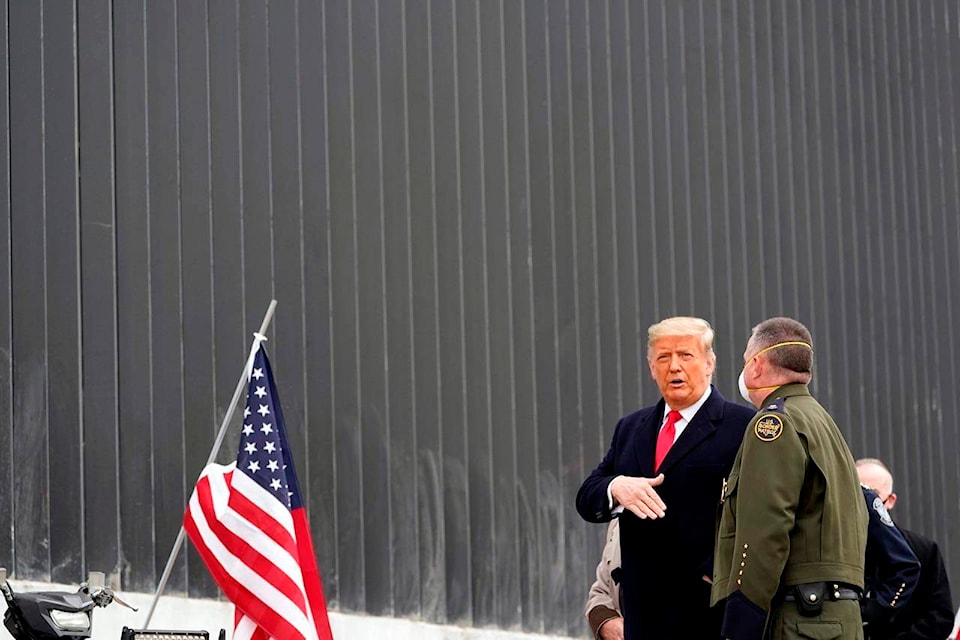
(258, 337)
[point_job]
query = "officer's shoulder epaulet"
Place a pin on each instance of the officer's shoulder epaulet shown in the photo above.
(776, 405)
(768, 426)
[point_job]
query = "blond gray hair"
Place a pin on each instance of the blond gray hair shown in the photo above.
(682, 326)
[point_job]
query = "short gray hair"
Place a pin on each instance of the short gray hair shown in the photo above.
(796, 358)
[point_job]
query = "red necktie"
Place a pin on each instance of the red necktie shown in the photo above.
(666, 438)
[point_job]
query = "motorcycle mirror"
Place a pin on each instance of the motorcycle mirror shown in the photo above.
(95, 580)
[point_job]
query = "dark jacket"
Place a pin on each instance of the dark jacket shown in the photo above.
(663, 561)
(928, 614)
(892, 569)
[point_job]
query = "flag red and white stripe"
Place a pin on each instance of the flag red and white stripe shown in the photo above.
(248, 523)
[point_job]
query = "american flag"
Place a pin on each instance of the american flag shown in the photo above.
(248, 523)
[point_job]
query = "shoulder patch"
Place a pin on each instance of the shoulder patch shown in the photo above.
(768, 427)
(882, 512)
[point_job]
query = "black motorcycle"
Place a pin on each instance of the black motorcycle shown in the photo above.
(46, 615)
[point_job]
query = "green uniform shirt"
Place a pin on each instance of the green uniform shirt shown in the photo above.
(791, 512)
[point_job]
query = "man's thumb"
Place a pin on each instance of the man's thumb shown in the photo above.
(656, 481)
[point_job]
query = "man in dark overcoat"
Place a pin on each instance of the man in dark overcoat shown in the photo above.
(663, 475)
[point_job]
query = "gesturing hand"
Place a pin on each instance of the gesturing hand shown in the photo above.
(639, 496)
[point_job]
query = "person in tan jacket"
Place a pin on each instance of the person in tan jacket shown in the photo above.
(603, 611)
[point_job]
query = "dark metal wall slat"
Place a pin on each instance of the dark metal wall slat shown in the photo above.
(286, 226)
(498, 264)
(699, 194)
(948, 519)
(928, 418)
(911, 469)
(719, 75)
(577, 446)
(371, 321)
(532, 236)
(196, 246)
(886, 207)
(28, 225)
(98, 284)
(816, 94)
(445, 110)
(231, 338)
(645, 193)
(473, 240)
(625, 163)
(397, 215)
(136, 441)
(418, 95)
(7, 447)
(61, 204)
(164, 262)
(343, 307)
(317, 476)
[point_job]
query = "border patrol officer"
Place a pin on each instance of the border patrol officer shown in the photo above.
(791, 540)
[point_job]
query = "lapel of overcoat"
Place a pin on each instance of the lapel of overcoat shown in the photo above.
(699, 429)
(645, 444)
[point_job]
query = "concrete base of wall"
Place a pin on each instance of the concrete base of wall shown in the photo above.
(177, 613)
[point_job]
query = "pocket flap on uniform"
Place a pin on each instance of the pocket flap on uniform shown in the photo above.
(729, 486)
(819, 630)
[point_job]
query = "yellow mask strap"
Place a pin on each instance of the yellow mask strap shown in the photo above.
(776, 386)
(800, 343)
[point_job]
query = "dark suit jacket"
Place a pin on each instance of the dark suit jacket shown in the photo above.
(928, 614)
(664, 560)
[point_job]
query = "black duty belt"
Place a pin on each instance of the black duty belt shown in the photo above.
(828, 591)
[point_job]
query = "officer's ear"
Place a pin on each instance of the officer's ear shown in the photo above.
(890, 501)
(759, 366)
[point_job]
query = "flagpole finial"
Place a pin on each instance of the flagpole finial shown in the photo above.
(260, 337)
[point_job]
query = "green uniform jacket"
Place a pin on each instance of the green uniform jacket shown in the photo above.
(792, 511)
